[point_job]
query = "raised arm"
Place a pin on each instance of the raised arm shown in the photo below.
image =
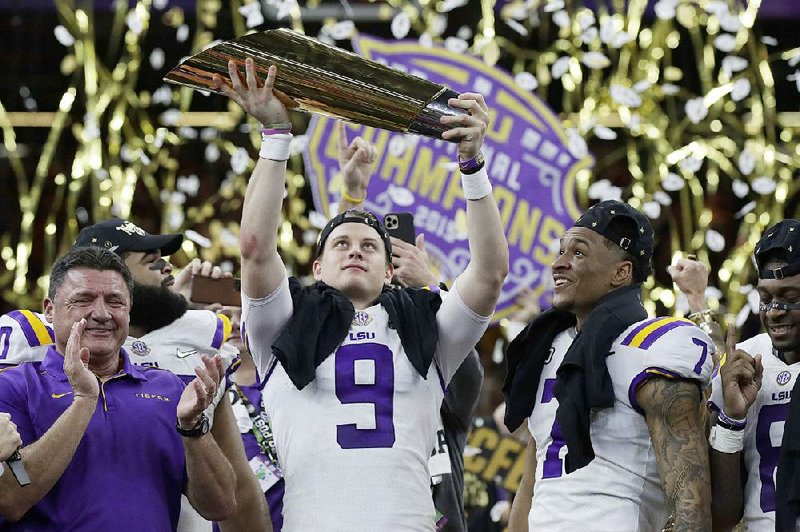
(356, 159)
(211, 480)
(46, 459)
(262, 267)
(672, 410)
(479, 285)
(741, 380)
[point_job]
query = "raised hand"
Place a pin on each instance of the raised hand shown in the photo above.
(356, 160)
(741, 378)
(470, 127)
(691, 278)
(76, 364)
(200, 393)
(203, 268)
(261, 102)
(411, 263)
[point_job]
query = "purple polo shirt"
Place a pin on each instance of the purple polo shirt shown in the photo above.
(128, 471)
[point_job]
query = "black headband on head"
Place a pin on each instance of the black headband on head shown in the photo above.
(638, 242)
(785, 236)
(359, 217)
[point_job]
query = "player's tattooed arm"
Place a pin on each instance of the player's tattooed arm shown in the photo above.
(672, 410)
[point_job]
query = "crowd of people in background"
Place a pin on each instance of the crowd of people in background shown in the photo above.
(345, 405)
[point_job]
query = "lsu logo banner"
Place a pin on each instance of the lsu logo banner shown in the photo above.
(528, 160)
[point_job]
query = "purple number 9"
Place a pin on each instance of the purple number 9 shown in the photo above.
(5, 334)
(768, 452)
(377, 389)
(553, 466)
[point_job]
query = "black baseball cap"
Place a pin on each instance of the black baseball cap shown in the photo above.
(635, 235)
(784, 235)
(359, 217)
(120, 236)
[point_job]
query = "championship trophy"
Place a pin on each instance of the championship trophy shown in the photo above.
(320, 78)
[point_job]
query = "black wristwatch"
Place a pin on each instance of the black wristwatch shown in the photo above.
(198, 430)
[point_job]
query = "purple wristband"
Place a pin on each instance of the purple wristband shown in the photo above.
(472, 165)
(736, 423)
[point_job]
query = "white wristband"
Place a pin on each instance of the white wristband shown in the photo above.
(726, 440)
(477, 185)
(275, 147)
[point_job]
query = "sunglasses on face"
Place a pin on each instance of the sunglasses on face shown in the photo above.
(777, 305)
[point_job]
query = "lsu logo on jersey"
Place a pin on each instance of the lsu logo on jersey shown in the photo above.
(646, 334)
(360, 336)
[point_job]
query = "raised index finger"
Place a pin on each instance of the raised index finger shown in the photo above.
(730, 340)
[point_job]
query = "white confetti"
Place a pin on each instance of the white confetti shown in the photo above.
(590, 35)
(401, 25)
(90, 129)
(343, 30)
(212, 153)
(744, 210)
(516, 26)
(595, 60)
(730, 22)
(449, 5)
(652, 209)
(641, 86)
(464, 32)
(669, 89)
(285, 9)
(716, 7)
(585, 19)
(188, 184)
(769, 41)
(740, 188)
(665, 9)
(134, 21)
(725, 43)
(197, 238)
(157, 58)
(397, 145)
(63, 36)
(763, 185)
(456, 45)
(400, 196)
(734, 63)
(625, 96)
(560, 67)
(187, 132)
(438, 25)
(690, 164)
(795, 77)
(663, 198)
(175, 219)
(747, 162)
(634, 121)
(672, 182)
(170, 117)
(553, 5)
(298, 145)
(252, 13)
(317, 219)
(605, 133)
(425, 40)
(741, 89)
(561, 19)
(576, 144)
(160, 4)
(207, 134)
(620, 39)
(715, 241)
(183, 33)
(607, 29)
(753, 300)
(239, 160)
(526, 81)
(603, 190)
(162, 96)
(696, 110)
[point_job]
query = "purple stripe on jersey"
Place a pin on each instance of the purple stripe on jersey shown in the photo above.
(661, 331)
(30, 334)
(441, 379)
(51, 333)
(643, 377)
(274, 497)
(628, 339)
(219, 335)
(269, 374)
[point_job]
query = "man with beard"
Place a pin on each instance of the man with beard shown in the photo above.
(166, 334)
(752, 391)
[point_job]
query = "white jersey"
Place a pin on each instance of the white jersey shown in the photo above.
(176, 347)
(25, 336)
(354, 443)
(620, 490)
(764, 431)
